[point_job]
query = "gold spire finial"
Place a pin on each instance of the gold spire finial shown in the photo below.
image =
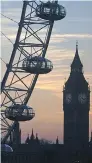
(76, 47)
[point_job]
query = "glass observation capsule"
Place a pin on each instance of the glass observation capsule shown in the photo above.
(50, 11)
(19, 113)
(6, 148)
(37, 65)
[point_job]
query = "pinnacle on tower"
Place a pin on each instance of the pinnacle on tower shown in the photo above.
(76, 65)
(27, 139)
(76, 47)
(37, 140)
(36, 136)
(57, 141)
(32, 137)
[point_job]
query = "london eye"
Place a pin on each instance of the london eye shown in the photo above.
(26, 63)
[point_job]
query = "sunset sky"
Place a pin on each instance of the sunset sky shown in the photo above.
(47, 95)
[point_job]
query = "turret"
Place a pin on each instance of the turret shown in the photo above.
(27, 139)
(36, 139)
(57, 141)
(32, 137)
(76, 65)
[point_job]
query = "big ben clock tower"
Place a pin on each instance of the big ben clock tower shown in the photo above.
(76, 105)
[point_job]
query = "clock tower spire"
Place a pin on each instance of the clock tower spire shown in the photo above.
(76, 104)
(76, 64)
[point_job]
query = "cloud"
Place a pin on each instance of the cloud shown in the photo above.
(85, 35)
(87, 74)
(57, 40)
(53, 85)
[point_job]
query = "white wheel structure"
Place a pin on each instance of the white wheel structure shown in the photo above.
(28, 52)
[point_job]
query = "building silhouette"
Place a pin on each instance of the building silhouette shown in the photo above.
(33, 140)
(76, 106)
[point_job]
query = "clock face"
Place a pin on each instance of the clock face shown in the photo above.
(82, 98)
(68, 98)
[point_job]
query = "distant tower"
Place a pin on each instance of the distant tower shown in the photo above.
(32, 137)
(20, 136)
(57, 141)
(27, 140)
(36, 139)
(76, 105)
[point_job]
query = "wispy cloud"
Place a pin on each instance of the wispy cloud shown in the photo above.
(85, 35)
(57, 40)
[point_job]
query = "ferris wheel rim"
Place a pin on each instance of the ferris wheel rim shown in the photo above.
(35, 77)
